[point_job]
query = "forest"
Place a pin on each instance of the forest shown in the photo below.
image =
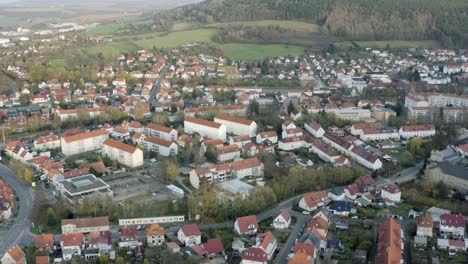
(445, 21)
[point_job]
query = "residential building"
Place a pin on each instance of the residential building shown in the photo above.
(160, 131)
(236, 125)
(160, 146)
(42, 259)
(266, 242)
(155, 235)
(372, 134)
(352, 191)
(425, 225)
(452, 225)
(365, 158)
(301, 258)
(211, 174)
(84, 142)
(407, 132)
(251, 167)
(269, 135)
(72, 245)
(129, 238)
(204, 128)
(85, 225)
(240, 140)
(341, 208)
(292, 132)
(99, 242)
(336, 194)
(77, 113)
(246, 225)
(236, 110)
(389, 244)
(292, 143)
(312, 201)
(14, 255)
(47, 142)
(189, 235)
(125, 154)
(453, 175)
(254, 256)
(227, 153)
(391, 192)
(45, 243)
(282, 220)
(314, 129)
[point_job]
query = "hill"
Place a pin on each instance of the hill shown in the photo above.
(446, 21)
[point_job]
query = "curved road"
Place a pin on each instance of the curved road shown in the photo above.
(19, 232)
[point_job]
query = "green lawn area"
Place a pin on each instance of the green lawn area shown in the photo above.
(392, 43)
(112, 49)
(413, 196)
(105, 29)
(57, 63)
(251, 52)
(176, 39)
(285, 24)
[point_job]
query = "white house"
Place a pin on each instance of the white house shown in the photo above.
(204, 127)
(452, 224)
(239, 140)
(282, 220)
(391, 192)
(162, 147)
(425, 225)
(314, 129)
(251, 167)
(160, 131)
(254, 255)
(155, 235)
(72, 245)
(417, 131)
(229, 152)
(83, 142)
(127, 155)
(291, 143)
(189, 235)
(14, 256)
(246, 225)
(287, 124)
(292, 132)
(268, 135)
(237, 125)
(312, 201)
(266, 242)
(47, 142)
(213, 174)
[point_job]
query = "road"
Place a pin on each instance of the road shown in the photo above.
(157, 85)
(19, 232)
(403, 176)
(282, 256)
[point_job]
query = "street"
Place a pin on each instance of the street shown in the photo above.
(19, 232)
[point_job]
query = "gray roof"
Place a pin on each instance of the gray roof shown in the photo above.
(237, 186)
(455, 170)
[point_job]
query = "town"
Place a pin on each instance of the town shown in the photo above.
(185, 155)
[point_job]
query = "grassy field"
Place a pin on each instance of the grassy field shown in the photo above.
(111, 49)
(176, 39)
(115, 26)
(57, 63)
(258, 51)
(391, 43)
(285, 24)
(35, 9)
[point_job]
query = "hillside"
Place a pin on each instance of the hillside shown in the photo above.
(446, 21)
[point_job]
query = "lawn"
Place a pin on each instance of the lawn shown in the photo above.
(285, 24)
(112, 49)
(251, 52)
(105, 29)
(57, 63)
(391, 43)
(176, 39)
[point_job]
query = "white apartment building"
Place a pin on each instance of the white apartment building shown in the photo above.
(391, 192)
(417, 131)
(83, 142)
(75, 113)
(355, 115)
(47, 142)
(160, 131)
(127, 155)
(162, 147)
(247, 168)
(292, 132)
(323, 151)
(211, 174)
(435, 100)
(227, 153)
(236, 125)
(291, 143)
(314, 129)
(365, 158)
(453, 224)
(268, 135)
(205, 128)
(372, 134)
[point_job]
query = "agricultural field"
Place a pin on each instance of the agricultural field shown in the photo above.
(250, 52)
(114, 26)
(175, 39)
(110, 50)
(391, 43)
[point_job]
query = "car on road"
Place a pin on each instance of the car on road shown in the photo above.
(306, 212)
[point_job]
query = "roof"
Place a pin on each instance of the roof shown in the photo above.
(159, 128)
(453, 220)
(313, 199)
(353, 188)
(213, 246)
(96, 133)
(155, 230)
(120, 145)
(391, 188)
(314, 125)
(255, 254)
(341, 206)
(340, 141)
(159, 141)
(215, 108)
(70, 240)
(240, 138)
(42, 259)
(267, 134)
(246, 164)
(425, 220)
(202, 122)
(47, 138)
(413, 128)
(100, 237)
(285, 214)
(389, 243)
(17, 254)
(307, 248)
(228, 149)
(300, 258)
(191, 230)
(44, 241)
(455, 170)
(364, 154)
(234, 119)
(87, 222)
(247, 221)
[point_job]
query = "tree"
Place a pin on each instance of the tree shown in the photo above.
(441, 190)
(139, 110)
(119, 260)
(51, 217)
(159, 118)
(103, 259)
(171, 171)
(24, 99)
(290, 107)
(173, 108)
(212, 153)
(254, 108)
(415, 145)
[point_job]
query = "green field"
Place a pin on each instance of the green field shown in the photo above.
(111, 50)
(251, 52)
(285, 24)
(176, 39)
(34, 9)
(391, 43)
(57, 63)
(115, 26)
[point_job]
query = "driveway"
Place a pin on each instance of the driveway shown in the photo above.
(19, 232)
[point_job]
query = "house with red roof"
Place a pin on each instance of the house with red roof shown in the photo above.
(452, 225)
(391, 192)
(210, 249)
(14, 256)
(266, 242)
(189, 235)
(308, 249)
(312, 201)
(366, 184)
(254, 255)
(72, 245)
(246, 225)
(129, 238)
(352, 191)
(282, 220)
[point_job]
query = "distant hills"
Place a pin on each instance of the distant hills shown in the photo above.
(443, 20)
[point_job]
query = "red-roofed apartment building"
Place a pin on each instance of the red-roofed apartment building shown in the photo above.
(127, 155)
(236, 125)
(162, 132)
(83, 142)
(47, 142)
(162, 147)
(452, 224)
(204, 128)
(246, 225)
(254, 256)
(389, 243)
